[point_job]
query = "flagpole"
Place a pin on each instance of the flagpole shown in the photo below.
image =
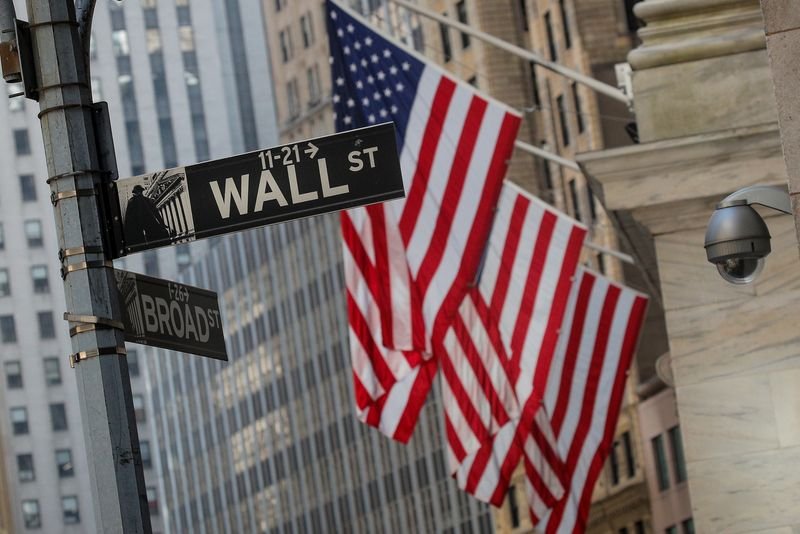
(595, 85)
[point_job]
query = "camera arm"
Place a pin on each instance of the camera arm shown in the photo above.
(771, 196)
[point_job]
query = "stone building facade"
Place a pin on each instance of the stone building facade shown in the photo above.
(707, 119)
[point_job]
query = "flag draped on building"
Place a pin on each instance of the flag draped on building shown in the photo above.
(409, 262)
(584, 391)
(479, 279)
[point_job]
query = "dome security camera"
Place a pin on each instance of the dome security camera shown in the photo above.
(737, 238)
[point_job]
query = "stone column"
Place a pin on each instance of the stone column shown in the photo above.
(782, 22)
(707, 119)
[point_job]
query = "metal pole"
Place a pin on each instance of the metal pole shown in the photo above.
(104, 390)
(546, 154)
(528, 55)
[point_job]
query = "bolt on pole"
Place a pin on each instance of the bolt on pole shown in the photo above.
(104, 390)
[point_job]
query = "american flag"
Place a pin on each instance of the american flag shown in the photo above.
(408, 263)
(584, 390)
(501, 342)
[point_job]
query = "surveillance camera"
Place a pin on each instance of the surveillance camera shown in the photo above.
(737, 238)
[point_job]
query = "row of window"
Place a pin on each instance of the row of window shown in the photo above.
(32, 515)
(52, 373)
(285, 37)
(33, 234)
(45, 320)
(39, 279)
(64, 466)
(686, 527)
(673, 436)
(444, 32)
(19, 419)
(58, 416)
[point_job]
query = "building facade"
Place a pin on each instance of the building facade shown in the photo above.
(708, 122)
(184, 83)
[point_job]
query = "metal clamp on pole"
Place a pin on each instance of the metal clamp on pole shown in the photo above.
(83, 265)
(73, 173)
(78, 357)
(55, 198)
(87, 323)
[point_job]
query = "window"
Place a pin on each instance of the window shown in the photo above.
(630, 461)
(671, 530)
(184, 16)
(19, 420)
(576, 101)
(307, 28)
(138, 408)
(639, 527)
(473, 81)
(285, 38)
(661, 462)
(64, 462)
(5, 286)
(447, 49)
(565, 24)
(279, 4)
(97, 89)
(25, 471)
(39, 276)
(183, 256)
(47, 326)
(58, 417)
(612, 457)
(8, 329)
(623, 530)
(133, 363)
(2, 237)
(52, 372)
(576, 203)
(678, 460)
(537, 101)
(151, 263)
(513, 507)
(33, 233)
(27, 187)
(551, 40)
(293, 98)
(22, 142)
(461, 13)
(144, 450)
(69, 506)
(13, 375)
(150, 17)
(314, 89)
(562, 117)
(31, 516)
(688, 526)
(119, 43)
(523, 9)
(152, 500)
(15, 103)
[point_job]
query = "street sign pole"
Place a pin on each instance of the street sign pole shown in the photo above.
(76, 178)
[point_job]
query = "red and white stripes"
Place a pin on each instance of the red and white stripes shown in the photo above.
(505, 330)
(585, 388)
(408, 262)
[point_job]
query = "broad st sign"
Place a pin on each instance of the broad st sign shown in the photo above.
(170, 315)
(287, 182)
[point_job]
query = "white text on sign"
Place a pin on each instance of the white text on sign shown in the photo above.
(236, 196)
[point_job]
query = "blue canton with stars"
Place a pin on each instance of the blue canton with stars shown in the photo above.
(374, 80)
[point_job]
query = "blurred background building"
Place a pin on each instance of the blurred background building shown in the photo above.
(184, 83)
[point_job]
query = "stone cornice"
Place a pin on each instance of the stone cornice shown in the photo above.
(689, 30)
(684, 173)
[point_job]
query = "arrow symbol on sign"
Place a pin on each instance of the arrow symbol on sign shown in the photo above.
(311, 150)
